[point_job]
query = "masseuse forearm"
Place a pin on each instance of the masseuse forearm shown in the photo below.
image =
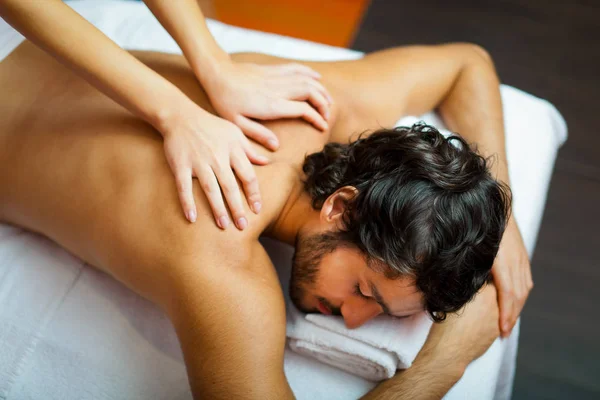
(474, 109)
(184, 21)
(64, 34)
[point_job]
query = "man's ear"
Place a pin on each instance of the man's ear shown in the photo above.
(335, 205)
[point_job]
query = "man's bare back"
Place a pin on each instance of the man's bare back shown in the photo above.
(75, 150)
(78, 168)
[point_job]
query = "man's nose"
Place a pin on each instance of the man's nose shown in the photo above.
(358, 311)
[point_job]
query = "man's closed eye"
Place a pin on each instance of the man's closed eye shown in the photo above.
(359, 293)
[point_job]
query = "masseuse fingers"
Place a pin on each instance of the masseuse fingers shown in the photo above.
(302, 88)
(183, 178)
(231, 192)
(319, 86)
(210, 186)
(306, 83)
(301, 109)
(252, 154)
(258, 132)
(295, 68)
(306, 91)
(245, 172)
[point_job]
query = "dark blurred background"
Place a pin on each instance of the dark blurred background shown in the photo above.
(550, 49)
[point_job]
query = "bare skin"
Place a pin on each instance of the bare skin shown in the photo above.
(80, 169)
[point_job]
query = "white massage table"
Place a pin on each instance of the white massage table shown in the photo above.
(68, 331)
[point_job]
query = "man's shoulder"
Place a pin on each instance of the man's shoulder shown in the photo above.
(238, 284)
(233, 318)
(250, 266)
(231, 255)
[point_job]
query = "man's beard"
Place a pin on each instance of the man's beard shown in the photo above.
(306, 264)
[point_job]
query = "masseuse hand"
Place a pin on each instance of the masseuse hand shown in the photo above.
(245, 92)
(512, 276)
(199, 144)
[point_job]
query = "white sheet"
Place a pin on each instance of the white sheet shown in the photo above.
(68, 331)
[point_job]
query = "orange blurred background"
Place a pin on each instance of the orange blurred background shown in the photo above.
(333, 22)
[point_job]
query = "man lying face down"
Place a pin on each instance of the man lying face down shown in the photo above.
(398, 221)
(408, 220)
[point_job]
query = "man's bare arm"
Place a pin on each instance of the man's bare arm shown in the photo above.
(231, 326)
(426, 379)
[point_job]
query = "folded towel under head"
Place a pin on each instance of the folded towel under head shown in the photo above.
(373, 351)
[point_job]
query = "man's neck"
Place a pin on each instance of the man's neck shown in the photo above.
(294, 215)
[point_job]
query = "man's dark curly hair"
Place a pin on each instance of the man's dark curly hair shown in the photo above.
(426, 208)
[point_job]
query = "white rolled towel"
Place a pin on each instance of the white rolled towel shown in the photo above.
(373, 351)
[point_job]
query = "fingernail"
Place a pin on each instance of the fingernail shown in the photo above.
(242, 223)
(223, 222)
(327, 114)
(192, 215)
(273, 144)
(257, 206)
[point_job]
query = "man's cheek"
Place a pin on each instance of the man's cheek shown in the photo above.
(335, 284)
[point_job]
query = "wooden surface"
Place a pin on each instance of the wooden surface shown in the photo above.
(332, 21)
(552, 50)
